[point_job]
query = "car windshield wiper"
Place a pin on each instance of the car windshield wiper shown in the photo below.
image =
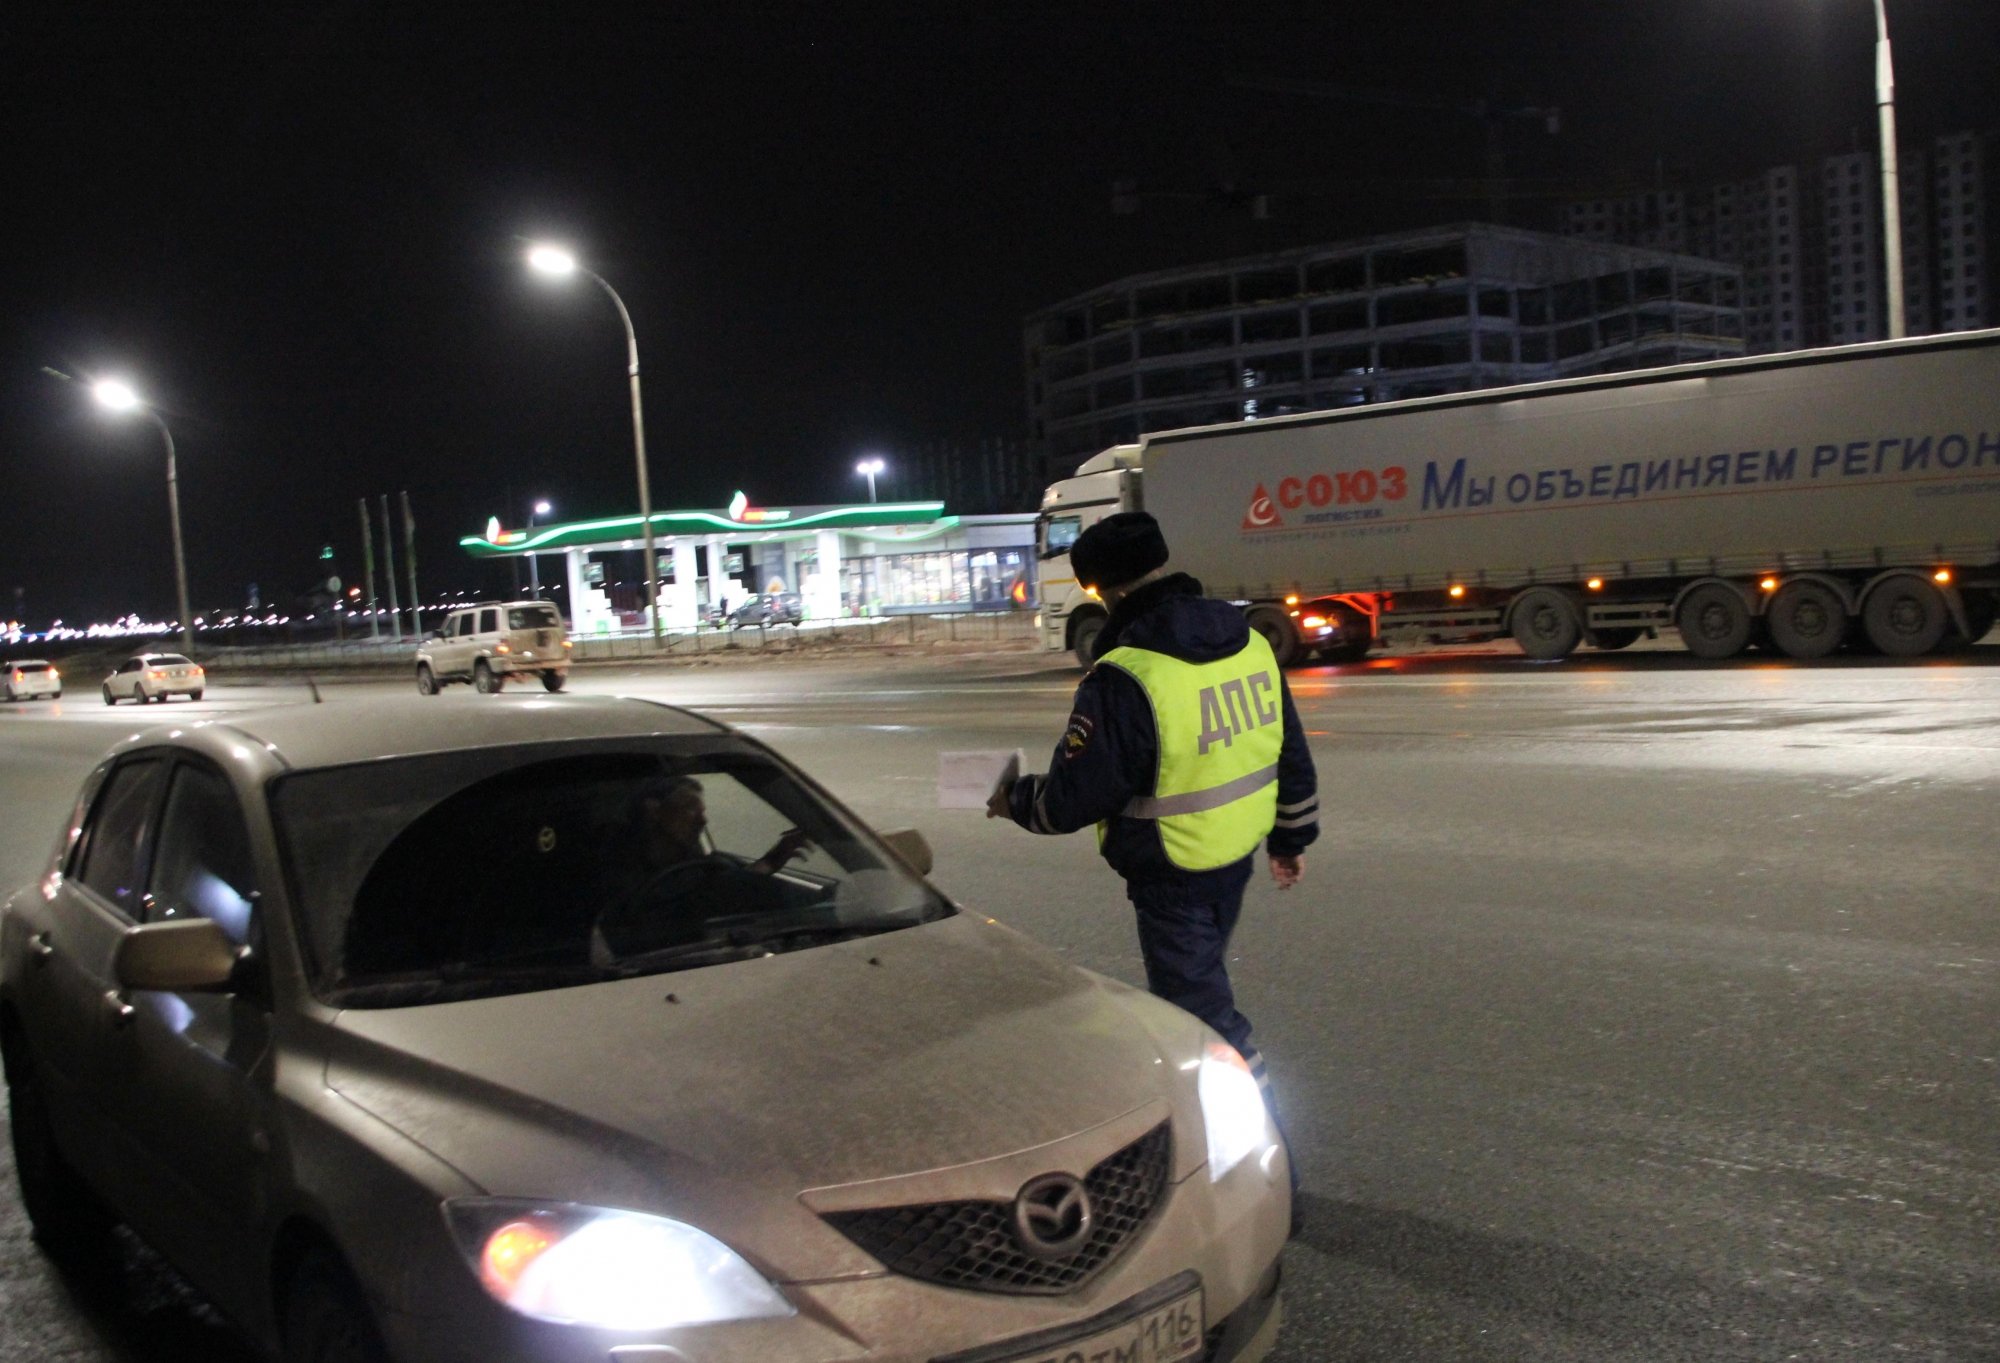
(457, 980)
(740, 942)
(552, 972)
(684, 956)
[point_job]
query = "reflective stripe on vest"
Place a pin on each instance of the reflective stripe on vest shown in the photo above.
(1221, 727)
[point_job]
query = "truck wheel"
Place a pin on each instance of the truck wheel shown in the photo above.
(1808, 619)
(484, 679)
(1715, 621)
(553, 681)
(1545, 624)
(1276, 627)
(1905, 617)
(427, 682)
(1981, 609)
(1622, 637)
(1085, 639)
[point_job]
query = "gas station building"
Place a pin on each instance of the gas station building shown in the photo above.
(890, 558)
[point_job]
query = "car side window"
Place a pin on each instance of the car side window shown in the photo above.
(118, 839)
(489, 621)
(202, 863)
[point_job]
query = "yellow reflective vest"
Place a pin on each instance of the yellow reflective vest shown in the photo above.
(1220, 727)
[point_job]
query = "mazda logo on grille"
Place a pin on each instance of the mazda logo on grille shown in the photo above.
(1052, 1216)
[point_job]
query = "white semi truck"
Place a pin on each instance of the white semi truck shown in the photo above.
(1799, 501)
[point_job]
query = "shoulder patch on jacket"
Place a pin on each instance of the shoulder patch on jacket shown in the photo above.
(1077, 736)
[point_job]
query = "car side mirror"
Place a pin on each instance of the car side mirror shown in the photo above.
(182, 956)
(909, 844)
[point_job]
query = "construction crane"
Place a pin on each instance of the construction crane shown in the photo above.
(1493, 114)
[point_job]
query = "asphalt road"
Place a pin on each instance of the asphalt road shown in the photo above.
(1632, 1009)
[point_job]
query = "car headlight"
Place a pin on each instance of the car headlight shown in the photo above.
(602, 1267)
(1232, 1108)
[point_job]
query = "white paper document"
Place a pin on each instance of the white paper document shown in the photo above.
(966, 780)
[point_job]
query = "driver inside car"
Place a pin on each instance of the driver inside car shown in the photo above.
(669, 881)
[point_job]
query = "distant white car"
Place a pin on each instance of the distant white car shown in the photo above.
(154, 676)
(30, 679)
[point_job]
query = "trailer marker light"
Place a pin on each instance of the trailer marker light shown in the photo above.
(1769, 584)
(1596, 584)
(1457, 590)
(1314, 622)
(1941, 576)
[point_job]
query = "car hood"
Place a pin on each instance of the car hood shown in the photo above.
(720, 1095)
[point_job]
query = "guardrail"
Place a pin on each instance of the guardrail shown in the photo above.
(990, 627)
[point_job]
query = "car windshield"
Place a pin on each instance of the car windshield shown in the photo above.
(532, 617)
(170, 660)
(492, 871)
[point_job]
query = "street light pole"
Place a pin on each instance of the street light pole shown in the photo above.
(553, 260)
(869, 468)
(180, 550)
(534, 571)
(119, 397)
(1892, 198)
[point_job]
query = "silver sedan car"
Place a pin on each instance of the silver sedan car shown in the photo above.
(587, 1029)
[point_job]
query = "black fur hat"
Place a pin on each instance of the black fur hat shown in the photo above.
(1117, 550)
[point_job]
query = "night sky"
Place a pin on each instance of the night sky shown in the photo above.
(297, 228)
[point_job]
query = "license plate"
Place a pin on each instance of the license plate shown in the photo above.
(1163, 1334)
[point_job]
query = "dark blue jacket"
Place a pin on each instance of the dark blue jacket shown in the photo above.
(1110, 752)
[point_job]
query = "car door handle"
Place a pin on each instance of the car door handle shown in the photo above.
(40, 949)
(121, 1010)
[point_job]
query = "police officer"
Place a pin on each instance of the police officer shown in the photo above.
(1184, 749)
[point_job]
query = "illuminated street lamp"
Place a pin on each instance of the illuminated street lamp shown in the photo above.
(555, 261)
(118, 396)
(534, 574)
(1892, 198)
(869, 468)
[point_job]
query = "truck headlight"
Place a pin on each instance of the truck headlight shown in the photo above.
(598, 1266)
(1232, 1109)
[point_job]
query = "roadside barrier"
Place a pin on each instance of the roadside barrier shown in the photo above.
(982, 627)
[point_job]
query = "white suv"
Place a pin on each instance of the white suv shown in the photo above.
(30, 678)
(488, 643)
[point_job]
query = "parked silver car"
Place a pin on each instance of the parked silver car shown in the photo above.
(771, 608)
(587, 1029)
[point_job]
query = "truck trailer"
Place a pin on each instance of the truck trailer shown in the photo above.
(1803, 502)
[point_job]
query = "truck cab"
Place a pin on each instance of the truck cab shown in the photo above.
(1103, 485)
(1072, 616)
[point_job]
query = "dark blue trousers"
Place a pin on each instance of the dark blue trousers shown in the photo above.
(1186, 946)
(1184, 939)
